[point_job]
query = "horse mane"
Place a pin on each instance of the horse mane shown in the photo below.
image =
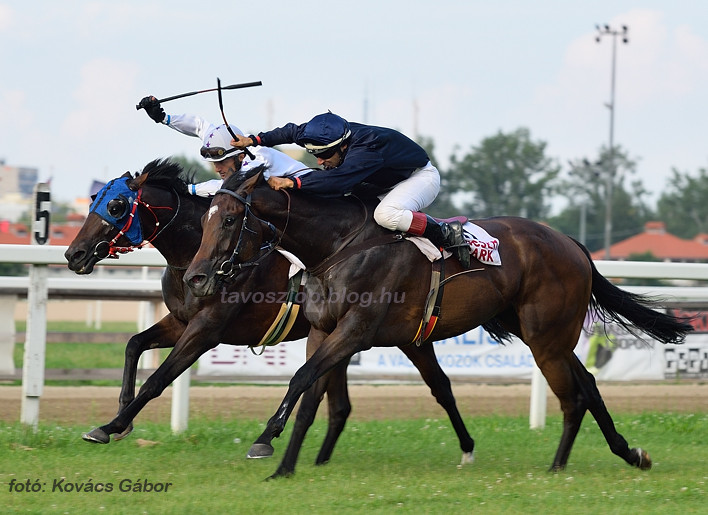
(169, 174)
(232, 183)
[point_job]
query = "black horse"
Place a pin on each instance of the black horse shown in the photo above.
(169, 217)
(541, 293)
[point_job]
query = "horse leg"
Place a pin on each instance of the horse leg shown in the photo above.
(262, 447)
(557, 368)
(334, 383)
(163, 334)
(424, 359)
(335, 379)
(336, 349)
(339, 406)
(185, 352)
(577, 391)
(636, 457)
(339, 409)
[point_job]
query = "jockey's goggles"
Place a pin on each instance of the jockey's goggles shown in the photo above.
(324, 153)
(217, 153)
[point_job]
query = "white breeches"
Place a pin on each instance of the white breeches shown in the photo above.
(395, 211)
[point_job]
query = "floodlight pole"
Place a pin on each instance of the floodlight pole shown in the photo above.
(606, 30)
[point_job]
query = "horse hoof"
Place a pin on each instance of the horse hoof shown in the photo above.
(280, 473)
(124, 433)
(467, 457)
(644, 459)
(260, 450)
(98, 435)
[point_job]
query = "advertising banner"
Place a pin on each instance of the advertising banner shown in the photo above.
(610, 353)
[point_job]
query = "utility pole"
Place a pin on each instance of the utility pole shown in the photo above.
(606, 30)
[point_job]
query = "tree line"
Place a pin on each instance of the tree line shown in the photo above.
(511, 174)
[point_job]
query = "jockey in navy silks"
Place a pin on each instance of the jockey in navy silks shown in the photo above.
(353, 154)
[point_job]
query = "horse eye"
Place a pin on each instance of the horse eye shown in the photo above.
(229, 221)
(116, 208)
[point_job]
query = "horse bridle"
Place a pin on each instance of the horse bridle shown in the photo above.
(108, 249)
(230, 266)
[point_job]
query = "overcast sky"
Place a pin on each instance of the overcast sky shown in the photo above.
(72, 72)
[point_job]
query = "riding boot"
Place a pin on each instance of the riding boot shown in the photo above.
(446, 235)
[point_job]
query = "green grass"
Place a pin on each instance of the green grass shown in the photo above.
(378, 467)
(70, 355)
(81, 327)
(78, 355)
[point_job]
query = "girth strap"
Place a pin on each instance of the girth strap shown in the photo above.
(285, 319)
(432, 302)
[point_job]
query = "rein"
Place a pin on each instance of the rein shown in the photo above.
(108, 249)
(229, 267)
(346, 252)
(341, 254)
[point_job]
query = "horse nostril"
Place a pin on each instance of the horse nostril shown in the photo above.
(76, 257)
(197, 279)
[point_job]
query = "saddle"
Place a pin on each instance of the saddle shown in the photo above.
(483, 247)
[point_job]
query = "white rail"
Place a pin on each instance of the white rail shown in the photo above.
(54, 255)
(39, 287)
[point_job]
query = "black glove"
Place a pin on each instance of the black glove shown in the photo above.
(153, 109)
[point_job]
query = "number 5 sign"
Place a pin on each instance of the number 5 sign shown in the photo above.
(42, 210)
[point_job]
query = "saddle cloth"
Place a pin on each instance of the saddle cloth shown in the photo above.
(295, 263)
(483, 247)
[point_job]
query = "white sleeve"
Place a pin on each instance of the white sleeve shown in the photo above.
(206, 188)
(249, 164)
(188, 124)
(276, 163)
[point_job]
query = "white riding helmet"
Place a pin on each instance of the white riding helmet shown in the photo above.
(217, 144)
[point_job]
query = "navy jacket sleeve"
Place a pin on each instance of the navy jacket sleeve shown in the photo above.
(375, 155)
(289, 133)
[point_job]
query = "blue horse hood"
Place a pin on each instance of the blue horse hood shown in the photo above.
(116, 189)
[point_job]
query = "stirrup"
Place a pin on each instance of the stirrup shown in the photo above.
(455, 242)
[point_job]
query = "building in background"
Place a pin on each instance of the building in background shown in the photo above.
(16, 189)
(661, 245)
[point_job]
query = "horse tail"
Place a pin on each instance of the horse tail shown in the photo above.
(633, 311)
(497, 331)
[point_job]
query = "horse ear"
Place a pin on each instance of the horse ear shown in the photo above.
(250, 184)
(138, 182)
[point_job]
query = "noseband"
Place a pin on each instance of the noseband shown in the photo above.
(230, 267)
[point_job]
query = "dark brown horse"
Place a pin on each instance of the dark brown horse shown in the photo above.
(169, 217)
(541, 293)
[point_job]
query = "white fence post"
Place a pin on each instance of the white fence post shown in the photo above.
(35, 345)
(537, 410)
(147, 316)
(36, 341)
(180, 402)
(7, 334)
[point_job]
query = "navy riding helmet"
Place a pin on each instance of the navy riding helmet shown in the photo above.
(325, 131)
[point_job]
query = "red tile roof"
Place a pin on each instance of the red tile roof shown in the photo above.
(660, 244)
(19, 234)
